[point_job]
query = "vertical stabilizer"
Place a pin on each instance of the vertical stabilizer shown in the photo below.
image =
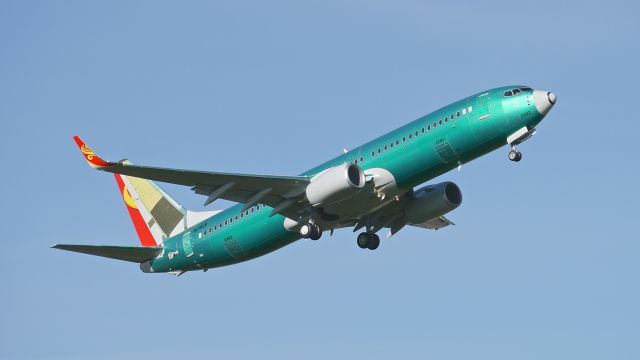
(155, 215)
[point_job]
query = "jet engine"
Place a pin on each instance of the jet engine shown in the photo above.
(335, 184)
(432, 201)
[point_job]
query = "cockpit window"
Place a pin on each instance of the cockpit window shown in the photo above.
(515, 92)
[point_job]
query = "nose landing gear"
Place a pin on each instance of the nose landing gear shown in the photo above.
(518, 138)
(368, 241)
(515, 155)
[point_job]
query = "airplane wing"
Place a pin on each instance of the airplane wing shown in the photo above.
(284, 193)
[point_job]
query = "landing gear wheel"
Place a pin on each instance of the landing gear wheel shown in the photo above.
(316, 232)
(305, 231)
(374, 242)
(362, 240)
(310, 231)
(368, 241)
(515, 155)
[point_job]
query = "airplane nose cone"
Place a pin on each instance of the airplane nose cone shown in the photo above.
(544, 100)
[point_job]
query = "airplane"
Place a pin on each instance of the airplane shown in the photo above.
(370, 187)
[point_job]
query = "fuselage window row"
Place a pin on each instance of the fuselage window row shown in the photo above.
(230, 220)
(428, 128)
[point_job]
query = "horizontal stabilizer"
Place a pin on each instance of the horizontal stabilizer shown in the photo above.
(127, 253)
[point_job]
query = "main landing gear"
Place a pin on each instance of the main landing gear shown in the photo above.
(310, 231)
(368, 241)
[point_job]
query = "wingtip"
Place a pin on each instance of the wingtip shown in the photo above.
(94, 160)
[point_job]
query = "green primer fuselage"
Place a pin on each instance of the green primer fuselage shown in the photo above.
(473, 127)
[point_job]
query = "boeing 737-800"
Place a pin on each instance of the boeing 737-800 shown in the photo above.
(370, 187)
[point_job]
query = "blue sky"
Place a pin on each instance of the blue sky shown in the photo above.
(543, 262)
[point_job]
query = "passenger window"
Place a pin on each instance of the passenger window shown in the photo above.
(423, 130)
(470, 109)
(404, 139)
(385, 148)
(391, 145)
(410, 136)
(373, 153)
(361, 159)
(378, 150)
(417, 133)
(440, 122)
(457, 114)
(225, 222)
(429, 127)
(397, 142)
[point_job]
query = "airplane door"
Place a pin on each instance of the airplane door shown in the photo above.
(186, 244)
(483, 107)
(482, 119)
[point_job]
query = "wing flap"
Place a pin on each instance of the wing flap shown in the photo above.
(125, 253)
(435, 224)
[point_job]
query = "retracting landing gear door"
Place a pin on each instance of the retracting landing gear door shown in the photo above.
(186, 244)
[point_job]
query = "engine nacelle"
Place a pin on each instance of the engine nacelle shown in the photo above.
(432, 201)
(335, 184)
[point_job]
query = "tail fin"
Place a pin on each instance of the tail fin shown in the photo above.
(155, 215)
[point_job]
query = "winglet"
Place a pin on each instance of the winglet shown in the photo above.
(94, 160)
